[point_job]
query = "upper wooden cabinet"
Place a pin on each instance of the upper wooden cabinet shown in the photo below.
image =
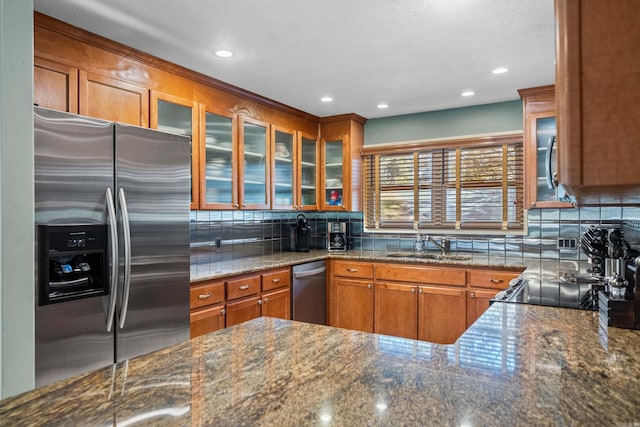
(112, 99)
(307, 173)
(597, 87)
(255, 157)
(539, 111)
(180, 116)
(341, 159)
(284, 153)
(55, 85)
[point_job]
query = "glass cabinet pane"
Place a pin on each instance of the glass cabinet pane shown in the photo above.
(255, 165)
(308, 172)
(545, 130)
(219, 159)
(177, 119)
(333, 173)
(283, 174)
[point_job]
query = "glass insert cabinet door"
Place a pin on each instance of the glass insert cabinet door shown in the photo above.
(308, 193)
(179, 116)
(545, 130)
(333, 173)
(254, 141)
(219, 171)
(283, 168)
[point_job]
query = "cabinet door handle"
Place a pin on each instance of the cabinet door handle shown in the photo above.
(496, 281)
(472, 295)
(266, 300)
(244, 287)
(413, 290)
(369, 286)
(204, 296)
(223, 311)
(352, 270)
(259, 302)
(276, 280)
(235, 205)
(421, 291)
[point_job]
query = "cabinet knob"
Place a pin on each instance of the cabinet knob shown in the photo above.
(276, 280)
(223, 311)
(244, 206)
(413, 290)
(244, 287)
(266, 300)
(259, 302)
(204, 296)
(472, 295)
(352, 270)
(235, 205)
(369, 286)
(496, 281)
(421, 291)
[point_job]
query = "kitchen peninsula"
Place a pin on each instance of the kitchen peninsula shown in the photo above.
(517, 365)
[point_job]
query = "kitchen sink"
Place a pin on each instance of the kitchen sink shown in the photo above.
(440, 257)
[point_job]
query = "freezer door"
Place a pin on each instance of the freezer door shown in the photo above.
(153, 192)
(73, 170)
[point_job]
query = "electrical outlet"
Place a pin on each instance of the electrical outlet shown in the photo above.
(567, 243)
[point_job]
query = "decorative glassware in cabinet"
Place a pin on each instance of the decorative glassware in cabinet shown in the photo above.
(308, 172)
(283, 169)
(333, 183)
(254, 166)
(219, 159)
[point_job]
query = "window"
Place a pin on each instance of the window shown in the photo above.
(471, 184)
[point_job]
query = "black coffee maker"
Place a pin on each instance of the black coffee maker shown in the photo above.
(300, 235)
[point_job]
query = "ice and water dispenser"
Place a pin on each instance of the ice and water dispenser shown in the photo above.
(72, 262)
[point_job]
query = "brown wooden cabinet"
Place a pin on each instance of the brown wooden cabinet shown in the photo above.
(353, 306)
(597, 86)
(227, 302)
(483, 286)
(112, 99)
(307, 182)
(539, 116)
(341, 174)
(396, 310)
(55, 85)
(442, 314)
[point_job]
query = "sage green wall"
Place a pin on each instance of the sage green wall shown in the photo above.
(16, 198)
(488, 118)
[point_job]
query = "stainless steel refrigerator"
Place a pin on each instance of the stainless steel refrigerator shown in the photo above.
(112, 242)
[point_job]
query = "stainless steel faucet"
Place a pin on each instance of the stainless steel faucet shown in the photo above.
(440, 246)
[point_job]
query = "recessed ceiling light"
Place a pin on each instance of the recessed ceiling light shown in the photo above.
(326, 99)
(500, 70)
(382, 105)
(224, 53)
(468, 93)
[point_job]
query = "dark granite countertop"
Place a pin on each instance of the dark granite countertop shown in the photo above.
(207, 271)
(517, 365)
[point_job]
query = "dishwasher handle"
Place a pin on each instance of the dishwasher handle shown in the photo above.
(301, 274)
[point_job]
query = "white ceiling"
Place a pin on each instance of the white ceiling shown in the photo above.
(415, 55)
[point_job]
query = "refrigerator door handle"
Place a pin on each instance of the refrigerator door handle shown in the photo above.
(127, 257)
(113, 230)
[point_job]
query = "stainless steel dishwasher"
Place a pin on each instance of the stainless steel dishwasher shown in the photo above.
(310, 293)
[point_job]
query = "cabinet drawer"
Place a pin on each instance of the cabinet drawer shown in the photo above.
(208, 293)
(492, 279)
(419, 274)
(207, 320)
(276, 279)
(361, 270)
(242, 287)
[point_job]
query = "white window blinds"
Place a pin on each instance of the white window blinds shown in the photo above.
(475, 183)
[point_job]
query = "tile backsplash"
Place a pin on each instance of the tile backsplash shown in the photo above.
(226, 235)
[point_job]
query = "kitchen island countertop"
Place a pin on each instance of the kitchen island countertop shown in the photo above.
(517, 365)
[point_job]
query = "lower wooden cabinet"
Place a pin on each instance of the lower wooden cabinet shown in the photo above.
(353, 301)
(207, 320)
(441, 314)
(277, 304)
(478, 303)
(247, 296)
(396, 310)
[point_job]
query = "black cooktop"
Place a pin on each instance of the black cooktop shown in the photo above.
(581, 294)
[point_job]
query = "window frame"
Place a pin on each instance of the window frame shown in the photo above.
(511, 180)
